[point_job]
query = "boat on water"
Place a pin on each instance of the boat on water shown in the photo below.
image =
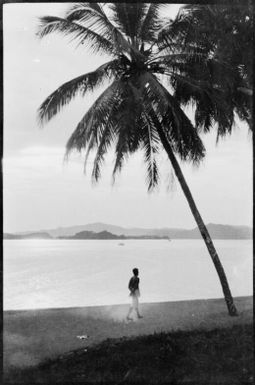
(121, 244)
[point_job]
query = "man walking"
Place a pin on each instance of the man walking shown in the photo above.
(134, 294)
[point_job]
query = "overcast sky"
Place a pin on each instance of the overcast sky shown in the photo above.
(40, 191)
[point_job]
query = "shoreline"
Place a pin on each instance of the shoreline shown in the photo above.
(32, 336)
(40, 309)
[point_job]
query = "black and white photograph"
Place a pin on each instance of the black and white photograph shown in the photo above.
(127, 176)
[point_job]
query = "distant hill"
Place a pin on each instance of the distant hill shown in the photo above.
(92, 235)
(217, 231)
(38, 235)
(95, 227)
(107, 235)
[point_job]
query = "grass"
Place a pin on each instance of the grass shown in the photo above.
(220, 356)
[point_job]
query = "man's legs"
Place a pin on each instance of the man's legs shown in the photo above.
(138, 314)
(137, 308)
(134, 306)
(129, 313)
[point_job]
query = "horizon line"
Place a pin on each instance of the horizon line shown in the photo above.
(124, 227)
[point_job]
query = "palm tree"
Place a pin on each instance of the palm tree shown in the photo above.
(226, 34)
(136, 111)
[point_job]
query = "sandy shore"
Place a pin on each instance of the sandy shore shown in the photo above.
(34, 335)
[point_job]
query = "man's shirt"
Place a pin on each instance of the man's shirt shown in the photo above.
(133, 283)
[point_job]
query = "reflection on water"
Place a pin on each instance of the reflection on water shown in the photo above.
(63, 273)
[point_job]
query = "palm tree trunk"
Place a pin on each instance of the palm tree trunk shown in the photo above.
(203, 230)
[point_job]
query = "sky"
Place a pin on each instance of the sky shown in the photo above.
(41, 191)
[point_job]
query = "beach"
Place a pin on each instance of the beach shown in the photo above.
(33, 336)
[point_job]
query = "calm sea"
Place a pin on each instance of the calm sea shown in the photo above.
(67, 273)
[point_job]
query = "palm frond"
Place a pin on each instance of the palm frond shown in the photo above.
(188, 89)
(150, 144)
(128, 18)
(243, 107)
(207, 84)
(90, 128)
(67, 92)
(80, 11)
(214, 109)
(151, 23)
(76, 32)
(184, 28)
(92, 16)
(106, 140)
(209, 93)
(161, 105)
(183, 34)
(129, 126)
(123, 145)
(181, 59)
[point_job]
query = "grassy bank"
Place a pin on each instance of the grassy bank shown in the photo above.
(220, 356)
(33, 336)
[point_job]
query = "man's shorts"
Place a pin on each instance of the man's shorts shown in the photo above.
(134, 302)
(135, 297)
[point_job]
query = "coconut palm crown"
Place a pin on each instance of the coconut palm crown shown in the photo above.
(140, 106)
(136, 101)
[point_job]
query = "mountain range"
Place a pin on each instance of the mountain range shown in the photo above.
(217, 231)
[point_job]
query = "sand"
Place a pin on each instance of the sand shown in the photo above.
(31, 336)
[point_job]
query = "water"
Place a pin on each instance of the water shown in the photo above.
(67, 273)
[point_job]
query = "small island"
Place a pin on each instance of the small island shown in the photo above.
(107, 235)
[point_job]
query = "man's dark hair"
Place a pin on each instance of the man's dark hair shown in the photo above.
(135, 271)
